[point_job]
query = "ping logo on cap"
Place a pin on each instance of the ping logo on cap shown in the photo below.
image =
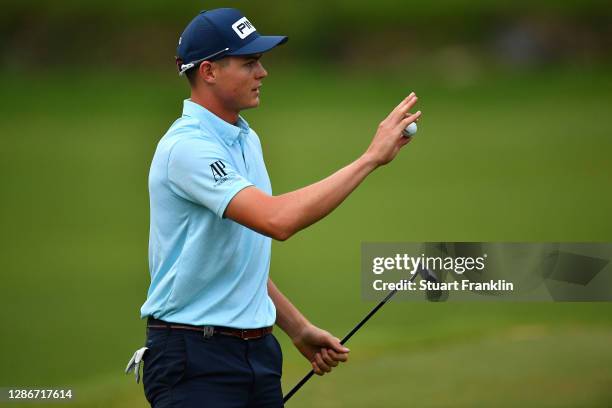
(243, 28)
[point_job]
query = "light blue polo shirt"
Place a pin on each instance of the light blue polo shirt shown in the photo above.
(206, 269)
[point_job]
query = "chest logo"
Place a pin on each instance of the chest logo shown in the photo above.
(217, 169)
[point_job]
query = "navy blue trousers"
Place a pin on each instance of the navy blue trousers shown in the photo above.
(184, 369)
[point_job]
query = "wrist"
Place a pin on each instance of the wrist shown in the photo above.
(368, 161)
(298, 331)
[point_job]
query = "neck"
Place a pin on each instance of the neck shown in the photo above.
(213, 105)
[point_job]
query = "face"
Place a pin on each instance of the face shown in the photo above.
(238, 81)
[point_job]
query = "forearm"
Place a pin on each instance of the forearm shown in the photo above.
(282, 216)
(298, 209)
(288, 318)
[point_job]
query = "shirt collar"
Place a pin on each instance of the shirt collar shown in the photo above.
(228, 132)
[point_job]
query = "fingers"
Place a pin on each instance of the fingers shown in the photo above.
(327, 359)
(322, 365)
(405, 141)
(329, 355)
(410, 113)
(316, 368)
(406, 101)
(342, 357)
(401, 104)
(408, 107)
(400, 111)
(409, 119)
(334, 344)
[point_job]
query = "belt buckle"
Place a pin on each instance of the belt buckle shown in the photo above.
(243, 334)
(208, 331)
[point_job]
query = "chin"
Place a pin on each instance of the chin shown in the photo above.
(253, 104)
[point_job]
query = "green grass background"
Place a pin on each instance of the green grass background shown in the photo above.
(500, 156)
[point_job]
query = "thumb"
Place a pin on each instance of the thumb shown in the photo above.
(334, 343)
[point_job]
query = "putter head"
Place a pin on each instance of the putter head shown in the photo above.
(428, 275)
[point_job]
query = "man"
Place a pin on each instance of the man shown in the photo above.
(211, 305)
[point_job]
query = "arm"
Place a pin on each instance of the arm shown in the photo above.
(282, 216)
(288, 318)
(323, 350)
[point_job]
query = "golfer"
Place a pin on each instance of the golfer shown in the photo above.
(211, 305)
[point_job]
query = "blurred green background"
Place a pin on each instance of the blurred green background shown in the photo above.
(514, 145)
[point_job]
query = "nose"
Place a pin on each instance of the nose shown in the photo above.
(261, 71)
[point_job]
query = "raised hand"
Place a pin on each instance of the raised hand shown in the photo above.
(388, 139)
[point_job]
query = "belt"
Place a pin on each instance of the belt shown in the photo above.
(209, 331)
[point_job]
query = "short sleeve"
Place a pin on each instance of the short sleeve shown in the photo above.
(201, 171)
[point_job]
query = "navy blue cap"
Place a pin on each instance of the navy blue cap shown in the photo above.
(217, 33)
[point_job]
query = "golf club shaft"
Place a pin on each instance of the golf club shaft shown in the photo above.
(345, 339)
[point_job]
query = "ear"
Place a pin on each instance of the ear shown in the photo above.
(208, 72)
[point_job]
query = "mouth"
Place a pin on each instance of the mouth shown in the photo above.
(256, 89)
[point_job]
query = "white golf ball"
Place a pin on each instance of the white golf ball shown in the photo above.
(410, 130)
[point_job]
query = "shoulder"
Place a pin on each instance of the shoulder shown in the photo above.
(185, 126)
(254, 137)
(187, 137)
(253, 134)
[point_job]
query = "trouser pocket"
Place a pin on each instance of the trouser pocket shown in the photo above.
(164, 363)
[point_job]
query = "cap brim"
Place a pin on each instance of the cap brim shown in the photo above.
(260, 44)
